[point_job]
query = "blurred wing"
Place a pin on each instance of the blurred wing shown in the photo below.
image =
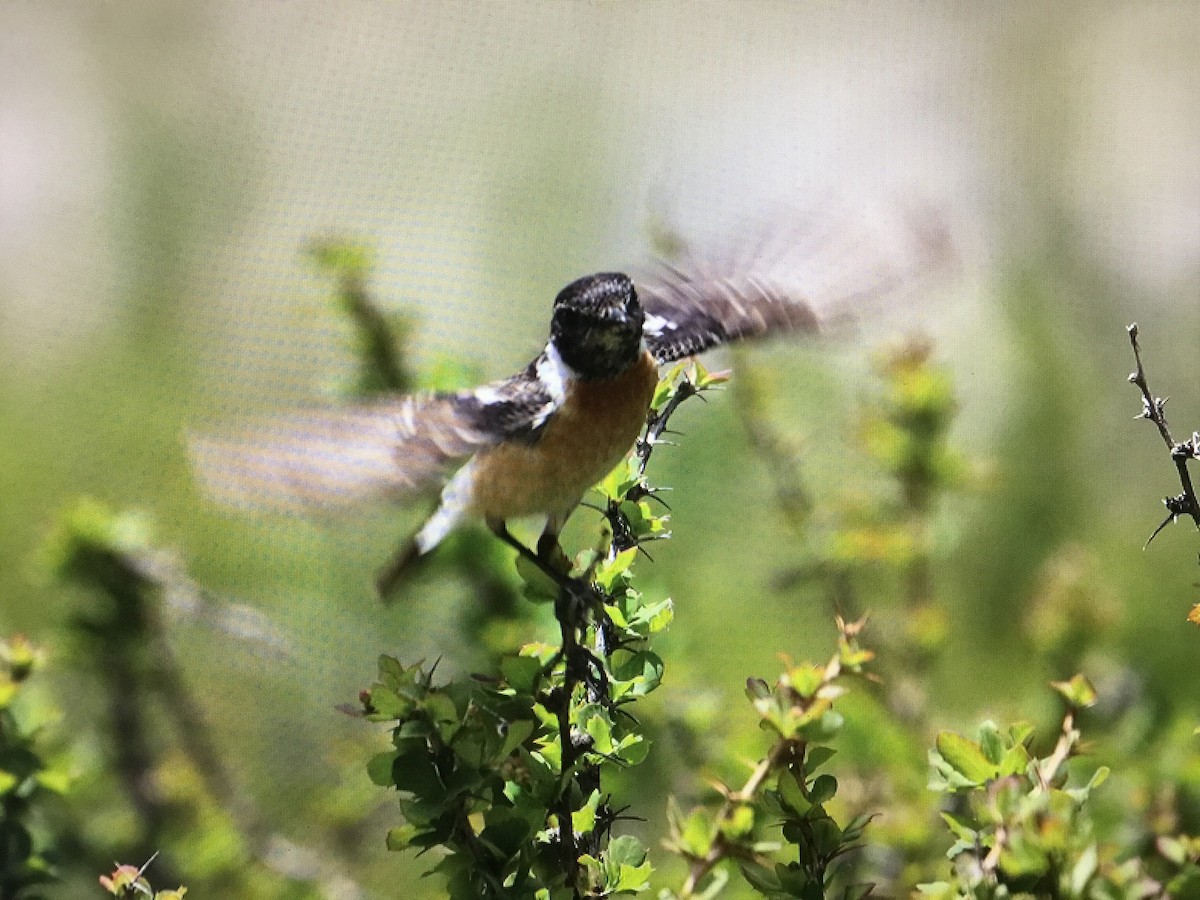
(803, 279)
(341, 457)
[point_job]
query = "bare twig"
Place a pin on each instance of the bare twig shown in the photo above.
(1185, 503)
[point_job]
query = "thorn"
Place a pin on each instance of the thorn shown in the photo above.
(1165, 522)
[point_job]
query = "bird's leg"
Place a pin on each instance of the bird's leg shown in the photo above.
(544, 565)
(547, 544)
(548, 547)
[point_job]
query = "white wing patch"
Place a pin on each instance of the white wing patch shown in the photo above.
(454, 508)
(656, 325)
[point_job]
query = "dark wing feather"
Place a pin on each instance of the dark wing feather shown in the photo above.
(803, 279)
(339, 457)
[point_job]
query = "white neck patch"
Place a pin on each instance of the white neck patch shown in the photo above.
(554, 373)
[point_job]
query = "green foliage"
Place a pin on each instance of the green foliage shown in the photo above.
(1023, 824)
(29, 778)
(784, 791)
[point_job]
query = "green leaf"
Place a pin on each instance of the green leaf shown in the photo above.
(633, 749)
(965, 757)
(388, 704)
(626, 850)
(505, 831)
(757, 689)
(817, 757)
(855, 827)
(638, 675)
(706, 380)
(518, 732)
(379, 769)
(658, 616)
(414, 771)
(539, 587)
(959, 829)
(826, 726)
(1020, 732)
(765, 881)
(521, 673)
(441, 709)
(583, 820)
(633, 879)
(400, 837)
(823, 789)
(596, 721)
(697, 832)
(608, 572)
(827, 836)
(1015, 761)
(792, 794)
(991, 743)
(740, 823)
(1078, 691)
(805, 679)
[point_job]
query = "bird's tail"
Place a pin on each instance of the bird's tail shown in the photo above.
(397, 571)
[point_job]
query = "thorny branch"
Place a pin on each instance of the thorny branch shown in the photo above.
(1185, 503)
(653, 436)
(578, 607)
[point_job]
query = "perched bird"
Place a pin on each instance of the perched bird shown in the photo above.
(534, 443)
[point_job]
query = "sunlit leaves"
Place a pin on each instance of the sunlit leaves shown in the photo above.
(1020, 824)
(784, 792)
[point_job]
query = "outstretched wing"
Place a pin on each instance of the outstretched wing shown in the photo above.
(339, 457)
(804, 279)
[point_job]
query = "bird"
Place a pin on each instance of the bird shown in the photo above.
(534, 443)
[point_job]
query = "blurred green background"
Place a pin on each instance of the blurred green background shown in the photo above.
(163, 164)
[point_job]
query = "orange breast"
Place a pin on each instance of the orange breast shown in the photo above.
(595, 427)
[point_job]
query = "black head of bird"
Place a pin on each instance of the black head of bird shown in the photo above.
(597, 325)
